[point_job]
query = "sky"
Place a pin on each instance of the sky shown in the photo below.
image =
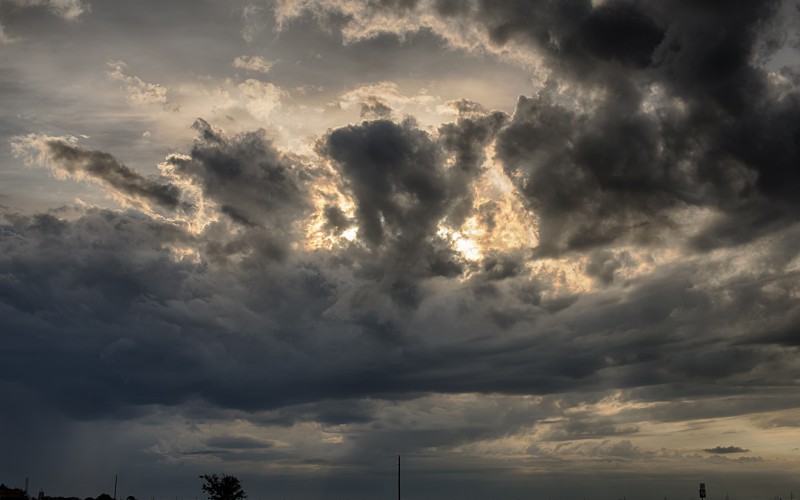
(541, 249)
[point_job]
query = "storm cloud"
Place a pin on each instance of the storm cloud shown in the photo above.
(286, 264)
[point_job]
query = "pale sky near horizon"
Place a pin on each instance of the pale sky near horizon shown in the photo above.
(539, 248)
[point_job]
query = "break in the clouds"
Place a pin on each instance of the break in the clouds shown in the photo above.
(535, 247)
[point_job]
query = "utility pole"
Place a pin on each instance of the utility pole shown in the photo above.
(115, 486)
(398, 477)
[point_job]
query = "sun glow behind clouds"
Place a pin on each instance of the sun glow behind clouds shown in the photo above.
(320, 233)
(598, 277)
(497, 223)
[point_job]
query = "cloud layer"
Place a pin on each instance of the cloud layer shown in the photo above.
(603, 277)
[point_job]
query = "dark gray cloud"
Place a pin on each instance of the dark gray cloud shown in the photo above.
(656, 165)
(253, 184)
(246, 175)
(203, 325)
(725, 450)
(395, 173)
(402, 191)
(466, 140)
(721, 137)
(618, 173)
(124, 325)
(104, 168)
(731, 130)
(575, 32)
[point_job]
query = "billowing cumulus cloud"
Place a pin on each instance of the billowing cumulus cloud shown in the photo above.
(677, 112)
(252, 181)
(589, 288)
(395, 174)
(261, 196)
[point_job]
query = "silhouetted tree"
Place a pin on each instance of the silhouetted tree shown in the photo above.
(222, 488)
(131, 497)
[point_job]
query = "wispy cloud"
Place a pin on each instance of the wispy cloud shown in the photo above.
(138, 91)
(68, 9)
(253, 63)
